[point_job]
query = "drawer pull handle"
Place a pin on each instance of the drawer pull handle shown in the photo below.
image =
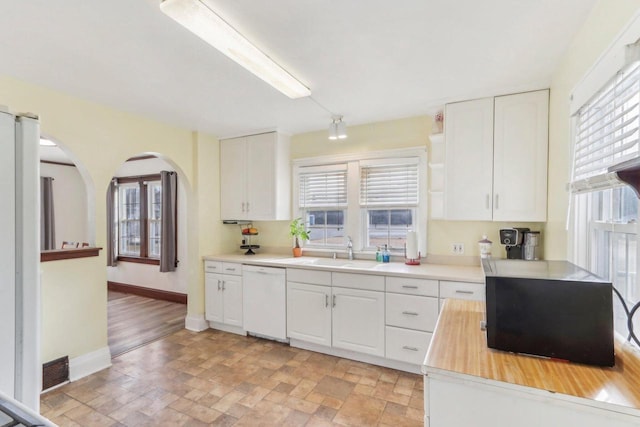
(230, 269)
(326, 300)
(410, 313)
(406, 347)
(458, 291)
(409, 287)
(219, 284)
(334, 301)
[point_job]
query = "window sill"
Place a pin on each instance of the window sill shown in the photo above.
(138, 260)
(60, 254)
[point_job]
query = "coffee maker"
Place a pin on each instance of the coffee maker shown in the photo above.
(520, 243)
(513, 238)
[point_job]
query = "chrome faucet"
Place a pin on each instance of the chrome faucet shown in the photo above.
(350, 248)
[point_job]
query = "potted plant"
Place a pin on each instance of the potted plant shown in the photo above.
(298, 231)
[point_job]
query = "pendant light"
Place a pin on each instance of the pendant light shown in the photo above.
(337, 128)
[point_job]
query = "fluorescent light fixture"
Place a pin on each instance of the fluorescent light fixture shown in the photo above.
(47, 143)
(337, 128)
(198, 18)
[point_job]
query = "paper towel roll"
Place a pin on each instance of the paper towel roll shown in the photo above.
(412, 245)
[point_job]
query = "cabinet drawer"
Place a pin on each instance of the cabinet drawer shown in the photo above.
(411, 311)
(313, 277)
(403, 285)
(358, 281)
(406, 345)
(232, 268)
(462, 290)
(212, 267)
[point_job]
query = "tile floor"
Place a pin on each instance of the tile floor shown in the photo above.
(221, 379)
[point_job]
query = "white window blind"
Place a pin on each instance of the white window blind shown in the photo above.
(323, 186)
(393, 184)
(607, 130)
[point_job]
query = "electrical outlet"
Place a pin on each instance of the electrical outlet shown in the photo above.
(458, 248)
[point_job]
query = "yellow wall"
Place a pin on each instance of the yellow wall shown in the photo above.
(393, 134)
(605, 21)
(99, 140)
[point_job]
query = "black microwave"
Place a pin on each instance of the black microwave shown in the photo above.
(553, 309)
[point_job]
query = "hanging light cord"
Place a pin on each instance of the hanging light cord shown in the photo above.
(322, 106)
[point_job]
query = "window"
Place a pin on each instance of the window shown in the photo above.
(604, 212)
(374, 199)
(388, 196)
(139, 218)
(323, 202)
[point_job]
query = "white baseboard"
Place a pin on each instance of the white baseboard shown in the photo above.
(196, 322)
(228, 328)
(353, 355)
(89, 363)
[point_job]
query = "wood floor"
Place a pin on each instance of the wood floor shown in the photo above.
(136, 320)
(221, 379)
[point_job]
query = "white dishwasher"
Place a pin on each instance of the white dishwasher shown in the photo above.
(264, 301)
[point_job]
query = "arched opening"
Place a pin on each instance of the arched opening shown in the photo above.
(145, 303)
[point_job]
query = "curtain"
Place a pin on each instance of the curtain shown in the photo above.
(111, 224)
(47, 217)
(168, 250)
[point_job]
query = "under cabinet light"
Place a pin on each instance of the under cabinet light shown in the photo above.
(198, 18)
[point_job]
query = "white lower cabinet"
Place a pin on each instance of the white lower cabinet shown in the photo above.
(407, 345)
(223, 299)
(309, 313)
(358, 320)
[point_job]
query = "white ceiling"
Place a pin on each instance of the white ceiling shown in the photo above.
(369, 60)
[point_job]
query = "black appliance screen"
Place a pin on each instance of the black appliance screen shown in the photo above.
(561, 319)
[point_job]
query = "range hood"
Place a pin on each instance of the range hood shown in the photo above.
(629, 173)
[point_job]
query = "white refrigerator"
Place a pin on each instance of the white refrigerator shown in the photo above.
(20, 368)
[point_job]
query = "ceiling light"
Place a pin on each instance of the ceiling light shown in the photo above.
(206, 24)
(47, 143)
(337, 128)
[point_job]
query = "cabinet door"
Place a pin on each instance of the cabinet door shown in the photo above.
(520, 157)
(213, 297)
(469, 160)
(261, 150)
(233, 184)
(358, 320)
(232, 292)
(309, 313)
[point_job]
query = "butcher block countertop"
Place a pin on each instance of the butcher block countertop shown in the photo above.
(462, 273)
(459, 347)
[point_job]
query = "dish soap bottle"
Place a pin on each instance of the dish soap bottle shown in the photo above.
(378, 254)
(385, 254)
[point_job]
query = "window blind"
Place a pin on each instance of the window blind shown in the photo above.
(607, 130)
(389, 184)
(323, 186)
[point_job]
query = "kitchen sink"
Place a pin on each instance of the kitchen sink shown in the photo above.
(330, 262)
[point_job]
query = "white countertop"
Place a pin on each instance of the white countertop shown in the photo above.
(463, 273)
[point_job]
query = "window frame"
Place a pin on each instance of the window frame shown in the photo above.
(142, 181)
(354, 222)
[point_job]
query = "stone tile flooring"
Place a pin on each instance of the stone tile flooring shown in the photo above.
(221, 379)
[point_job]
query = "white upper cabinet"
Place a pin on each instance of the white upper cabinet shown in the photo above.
(520, 146)
(496, 158)
(255, 177)
(469, 160)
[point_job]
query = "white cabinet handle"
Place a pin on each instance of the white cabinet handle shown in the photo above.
(458, 291)
(219, 284)
(497, 200)
(326, 300)
(487, 200)
(409, 287)
(406, 347)
(230, 269)
(223, 285)
(410, 313)
(247, 206)
(334, 301)
(242, 206)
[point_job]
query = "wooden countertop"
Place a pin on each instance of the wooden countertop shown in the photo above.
(459, 346)
(462, 273)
